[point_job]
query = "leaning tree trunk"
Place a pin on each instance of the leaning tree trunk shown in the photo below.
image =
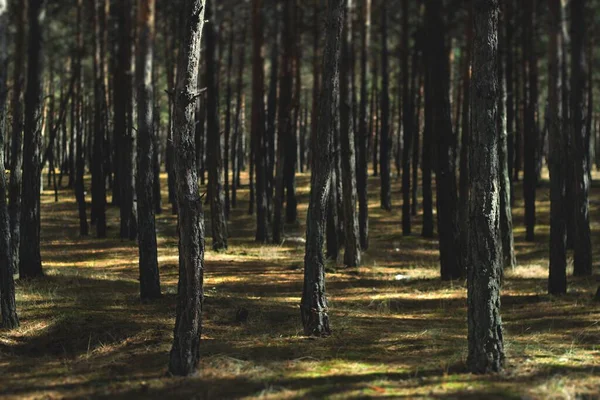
(148, 254)
(185, 353)
(313, 305)
(30, 259)
(557, 279)
(351, 234)
(8, 307)
(446, 199)
(16, 165)
(582, 258)
(486, 346)
(215, 162)
(384, 137)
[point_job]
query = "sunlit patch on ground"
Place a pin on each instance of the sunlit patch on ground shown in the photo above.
(398, 330)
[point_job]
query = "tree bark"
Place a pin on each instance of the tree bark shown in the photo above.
(185, 353)
(228, 113)
(8, 307)
(384, 137)
(313, 305)
(30, 260)
(486, 345)
(146, 146)
(407, 122)
(215, 162)
(236, 154)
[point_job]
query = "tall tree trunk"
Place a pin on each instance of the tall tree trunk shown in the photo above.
(215, 162)
(313, 305)
(363, 134)
(582, 259)
(510, 92)
(123, 133)
(146, 147)
(407, 123)
(8, 307)
(291, 146)
(16, 165)
(228, 113)
(98, 154)
(236, 154)
(384, 137)
(506, 221)
(446, 199)
(185, 353)
(486, 345)
(258, 125)
(530, 133)
(272, 112)
(351, 234)
(427, 148)
(30, 259)
(557, 279)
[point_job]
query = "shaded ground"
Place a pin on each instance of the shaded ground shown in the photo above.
(86, 334)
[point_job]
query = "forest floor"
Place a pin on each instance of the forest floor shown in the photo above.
(398, 331)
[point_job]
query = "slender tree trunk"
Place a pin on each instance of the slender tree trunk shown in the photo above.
(427, 149)
(228, 113)
(384, 137)
(30, 260)
(146, 147)
(446, 199)
(313, 305)
(417, 91)
(351, 234)
(80, 123)
(236, 154)
(272, 112)
(486, 345)
(582, 259)
(215, 162)
(8, 307)
(510, 92)
(407, 123)
(557, 279)
(185, 353)
(363, 134)
(16, 165)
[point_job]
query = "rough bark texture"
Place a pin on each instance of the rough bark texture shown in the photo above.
(407, 122)
(16, 164)
(123, 133)
(506, 221)
(582, 258)
(557, 279)
(486, 346)
(8, 307)
(351, 234)
(215, 162)
(446, 199)
(148, 255)
(30, 260)
(185, 353)
(384, 137)
(258, 124)
(313, 305)
(363, 134)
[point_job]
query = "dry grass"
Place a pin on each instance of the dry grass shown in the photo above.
(85, 333)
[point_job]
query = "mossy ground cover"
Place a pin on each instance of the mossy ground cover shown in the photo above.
(85, 333)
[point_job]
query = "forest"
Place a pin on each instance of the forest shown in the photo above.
(296, 199)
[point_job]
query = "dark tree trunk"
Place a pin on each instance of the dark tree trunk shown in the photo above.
(417, 91)
(272, 111)
(313, 305)
(30, 260)
(236, 153)
(363, 134)
(16, 165)
(486, 345)
(510, 93)
(228, 113)
(446, 199)
(407, 122)
(8, 307)
(427, 148)
(557, 279)
(123, 132)
(284, 124)
(185, 353)
(98, 154)
(146, 147)
(506, 221)
(351, 234)
(582, 258)
(384, 137)
(258, 124)
(215, 162)
(530, 132)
